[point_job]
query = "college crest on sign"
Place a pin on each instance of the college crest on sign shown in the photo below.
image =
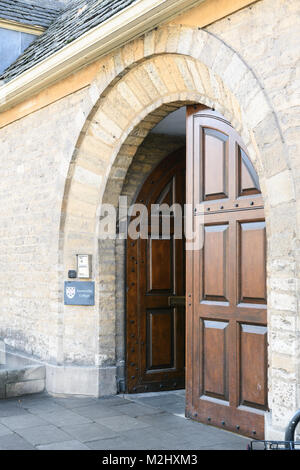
(79, 293)
(70, 292)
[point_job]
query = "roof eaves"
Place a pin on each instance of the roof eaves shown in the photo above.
(122, 27)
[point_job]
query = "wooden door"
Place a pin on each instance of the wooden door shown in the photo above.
(226, 288)
(156, 272)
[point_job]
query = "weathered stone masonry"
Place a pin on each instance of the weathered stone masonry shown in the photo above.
(60, 162)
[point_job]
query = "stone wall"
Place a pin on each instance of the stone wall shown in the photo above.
(35, 157)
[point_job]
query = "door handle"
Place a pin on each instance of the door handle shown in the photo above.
(176, 301)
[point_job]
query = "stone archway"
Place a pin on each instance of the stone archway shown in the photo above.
(137, 86)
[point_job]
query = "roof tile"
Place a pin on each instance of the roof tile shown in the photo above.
(26, 13)
(70, 24)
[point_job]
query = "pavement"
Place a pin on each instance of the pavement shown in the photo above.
(151, 421)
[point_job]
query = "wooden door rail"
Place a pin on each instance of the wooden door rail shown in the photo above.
(176, 300)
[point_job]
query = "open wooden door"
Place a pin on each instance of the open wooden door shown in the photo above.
(155, 323)
(226, 281)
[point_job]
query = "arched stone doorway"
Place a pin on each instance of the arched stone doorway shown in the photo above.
(138, 86)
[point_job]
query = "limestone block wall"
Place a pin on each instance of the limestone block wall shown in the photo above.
(35, 156)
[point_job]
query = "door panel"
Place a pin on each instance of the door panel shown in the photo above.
(253, 341)
(215, 164)
(215, 359)
(247, 178)
(226, 287)
(214, 267)
(160, 339)
(156, 271)
(252, 260)
(160, 266)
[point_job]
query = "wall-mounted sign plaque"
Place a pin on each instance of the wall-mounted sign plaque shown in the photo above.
(79, 293)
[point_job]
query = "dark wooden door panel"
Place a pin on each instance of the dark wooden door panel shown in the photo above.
(160, 339)
(226, 288)
(155, 271)
(160, 276)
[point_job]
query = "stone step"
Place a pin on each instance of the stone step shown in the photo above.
(28, 379)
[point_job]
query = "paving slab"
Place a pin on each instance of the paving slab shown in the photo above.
(4, 431)
(67, 445)
(113, 400)
(22, 421)
(46, 434)
(153, 438)
(164, 421)
(89, 432)
(123, 423)
(31, 398)
(202, 434)
(135, 409)
(10, 410)
(35, 396)
(14, 442)
(160, 401)
(42, 406)
(76, 402)
(174, 408)
(242, 445)
(63, 418)
(98, 411)
(119, 443)
(203, 441)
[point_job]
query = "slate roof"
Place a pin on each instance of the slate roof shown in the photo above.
(75, 20)
(25, 13)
